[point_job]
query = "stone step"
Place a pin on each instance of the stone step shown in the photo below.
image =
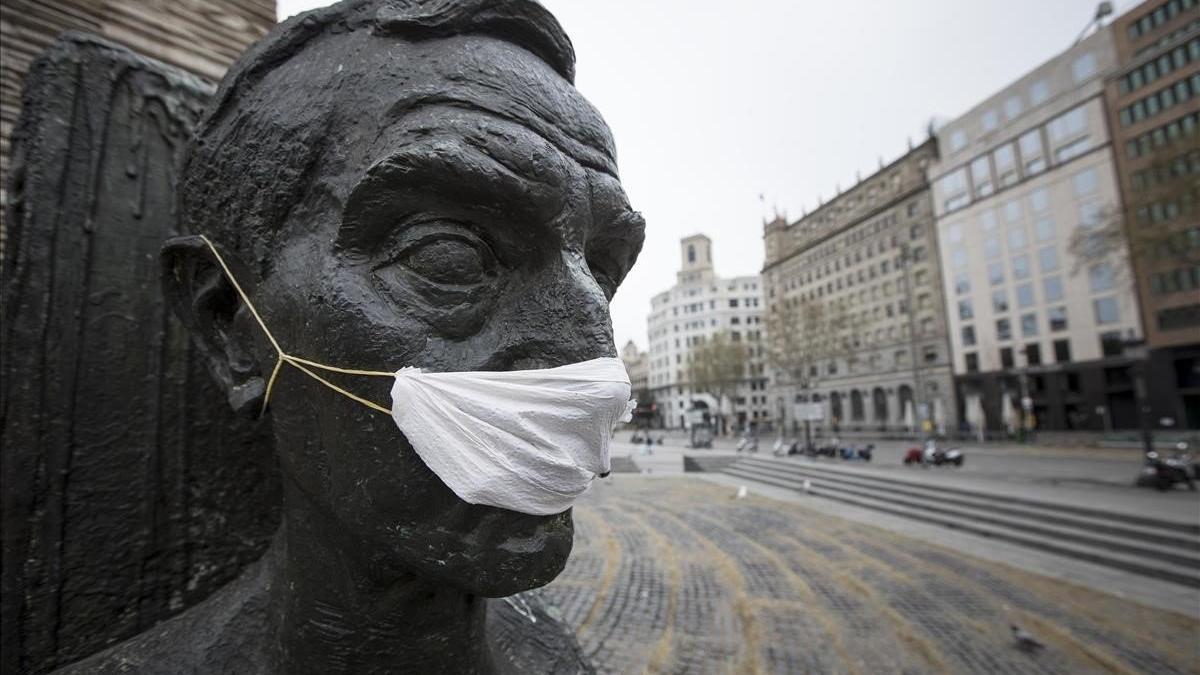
(1102, 554)
(1031, 524)
(1100, 520)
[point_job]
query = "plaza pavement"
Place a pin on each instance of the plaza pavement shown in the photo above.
(675, 574)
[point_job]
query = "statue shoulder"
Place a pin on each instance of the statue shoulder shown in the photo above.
(222, 634)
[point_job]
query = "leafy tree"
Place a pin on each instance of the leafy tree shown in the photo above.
(715, 366)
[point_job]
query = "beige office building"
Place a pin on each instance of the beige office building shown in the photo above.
(877, 358)
(699, 306)
(1033, 335)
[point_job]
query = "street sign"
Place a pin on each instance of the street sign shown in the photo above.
(810, 412)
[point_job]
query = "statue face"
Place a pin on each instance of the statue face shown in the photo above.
(466, 215)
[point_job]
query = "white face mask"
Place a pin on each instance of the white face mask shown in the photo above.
(524, 440)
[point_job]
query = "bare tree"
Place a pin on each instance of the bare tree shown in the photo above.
(804, 333)
(715, 366)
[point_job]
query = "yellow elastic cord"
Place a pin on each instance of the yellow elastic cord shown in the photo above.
(296, 361)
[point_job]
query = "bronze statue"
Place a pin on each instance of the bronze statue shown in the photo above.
(394, 182)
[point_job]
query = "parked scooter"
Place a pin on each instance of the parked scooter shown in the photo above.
(748, 443)
(1163, 473)
(932, 455)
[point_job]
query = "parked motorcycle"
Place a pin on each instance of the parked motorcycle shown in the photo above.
(1163, 473)
(932, 455)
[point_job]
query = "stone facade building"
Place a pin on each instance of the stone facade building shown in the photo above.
(699, 306)
(855, 310)
(637, 365)
(1153, 100)
(1037, 333)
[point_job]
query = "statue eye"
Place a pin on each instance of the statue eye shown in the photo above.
(451, 261)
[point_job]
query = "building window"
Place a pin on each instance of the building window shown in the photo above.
(1179, 318)
(1003, 329)
(1006, 358)
(972, 362)
(991, 248)
(968, 336)
(1012, 107)
(1091, 213)
(1068, 133)
(733, 303)
(691, 253)
(930, 354)
(1062, 351)
(1039, 200)
(1057, 317)
(1100, 277)
(1048, 259)
(1038, 92)
(990, 120)
(958, 140)
(1033, 354)
(962, 283)
(1029, 327)
(1106, 310)
(1020, 266)
(1012, 211)
(953, 187)
(1016, 238)
(1005, 160)
(981, 176)
(1044, 228)
(1052, 289)
(995, 272)
(1031, 152)
(1083, 67)
(999, 301)
(965, 309)
(958, 257)
(1025, 296)
(1084, 182)
(1111, 344)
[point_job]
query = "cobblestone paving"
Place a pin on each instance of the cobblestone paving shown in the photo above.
(676, 576)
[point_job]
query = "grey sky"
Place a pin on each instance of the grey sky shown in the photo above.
(715, 103)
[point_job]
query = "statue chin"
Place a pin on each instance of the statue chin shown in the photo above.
(506, 553)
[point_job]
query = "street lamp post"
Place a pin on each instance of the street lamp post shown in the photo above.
(1138, 353)
(919, 395)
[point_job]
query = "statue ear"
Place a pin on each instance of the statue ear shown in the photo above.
(203, 298)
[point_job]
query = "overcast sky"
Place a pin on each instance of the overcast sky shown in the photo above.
(715, 103)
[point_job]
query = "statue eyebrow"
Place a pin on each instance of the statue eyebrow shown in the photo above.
(582, 152)
(414, 164)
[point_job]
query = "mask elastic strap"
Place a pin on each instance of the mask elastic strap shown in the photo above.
(296, 361)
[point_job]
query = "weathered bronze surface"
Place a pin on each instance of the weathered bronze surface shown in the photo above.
(394, 182)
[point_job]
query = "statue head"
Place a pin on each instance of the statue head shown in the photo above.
(396, 183)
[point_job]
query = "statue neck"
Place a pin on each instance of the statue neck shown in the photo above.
(336, 612)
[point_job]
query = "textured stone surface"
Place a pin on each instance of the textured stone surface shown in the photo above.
(674, 575)
(130, 490)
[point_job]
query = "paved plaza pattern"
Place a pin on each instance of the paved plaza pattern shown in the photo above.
(675, 575)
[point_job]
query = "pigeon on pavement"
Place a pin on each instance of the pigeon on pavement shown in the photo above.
(1025, 642)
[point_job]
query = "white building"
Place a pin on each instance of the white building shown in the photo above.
(1018, 174)
(699, 306)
